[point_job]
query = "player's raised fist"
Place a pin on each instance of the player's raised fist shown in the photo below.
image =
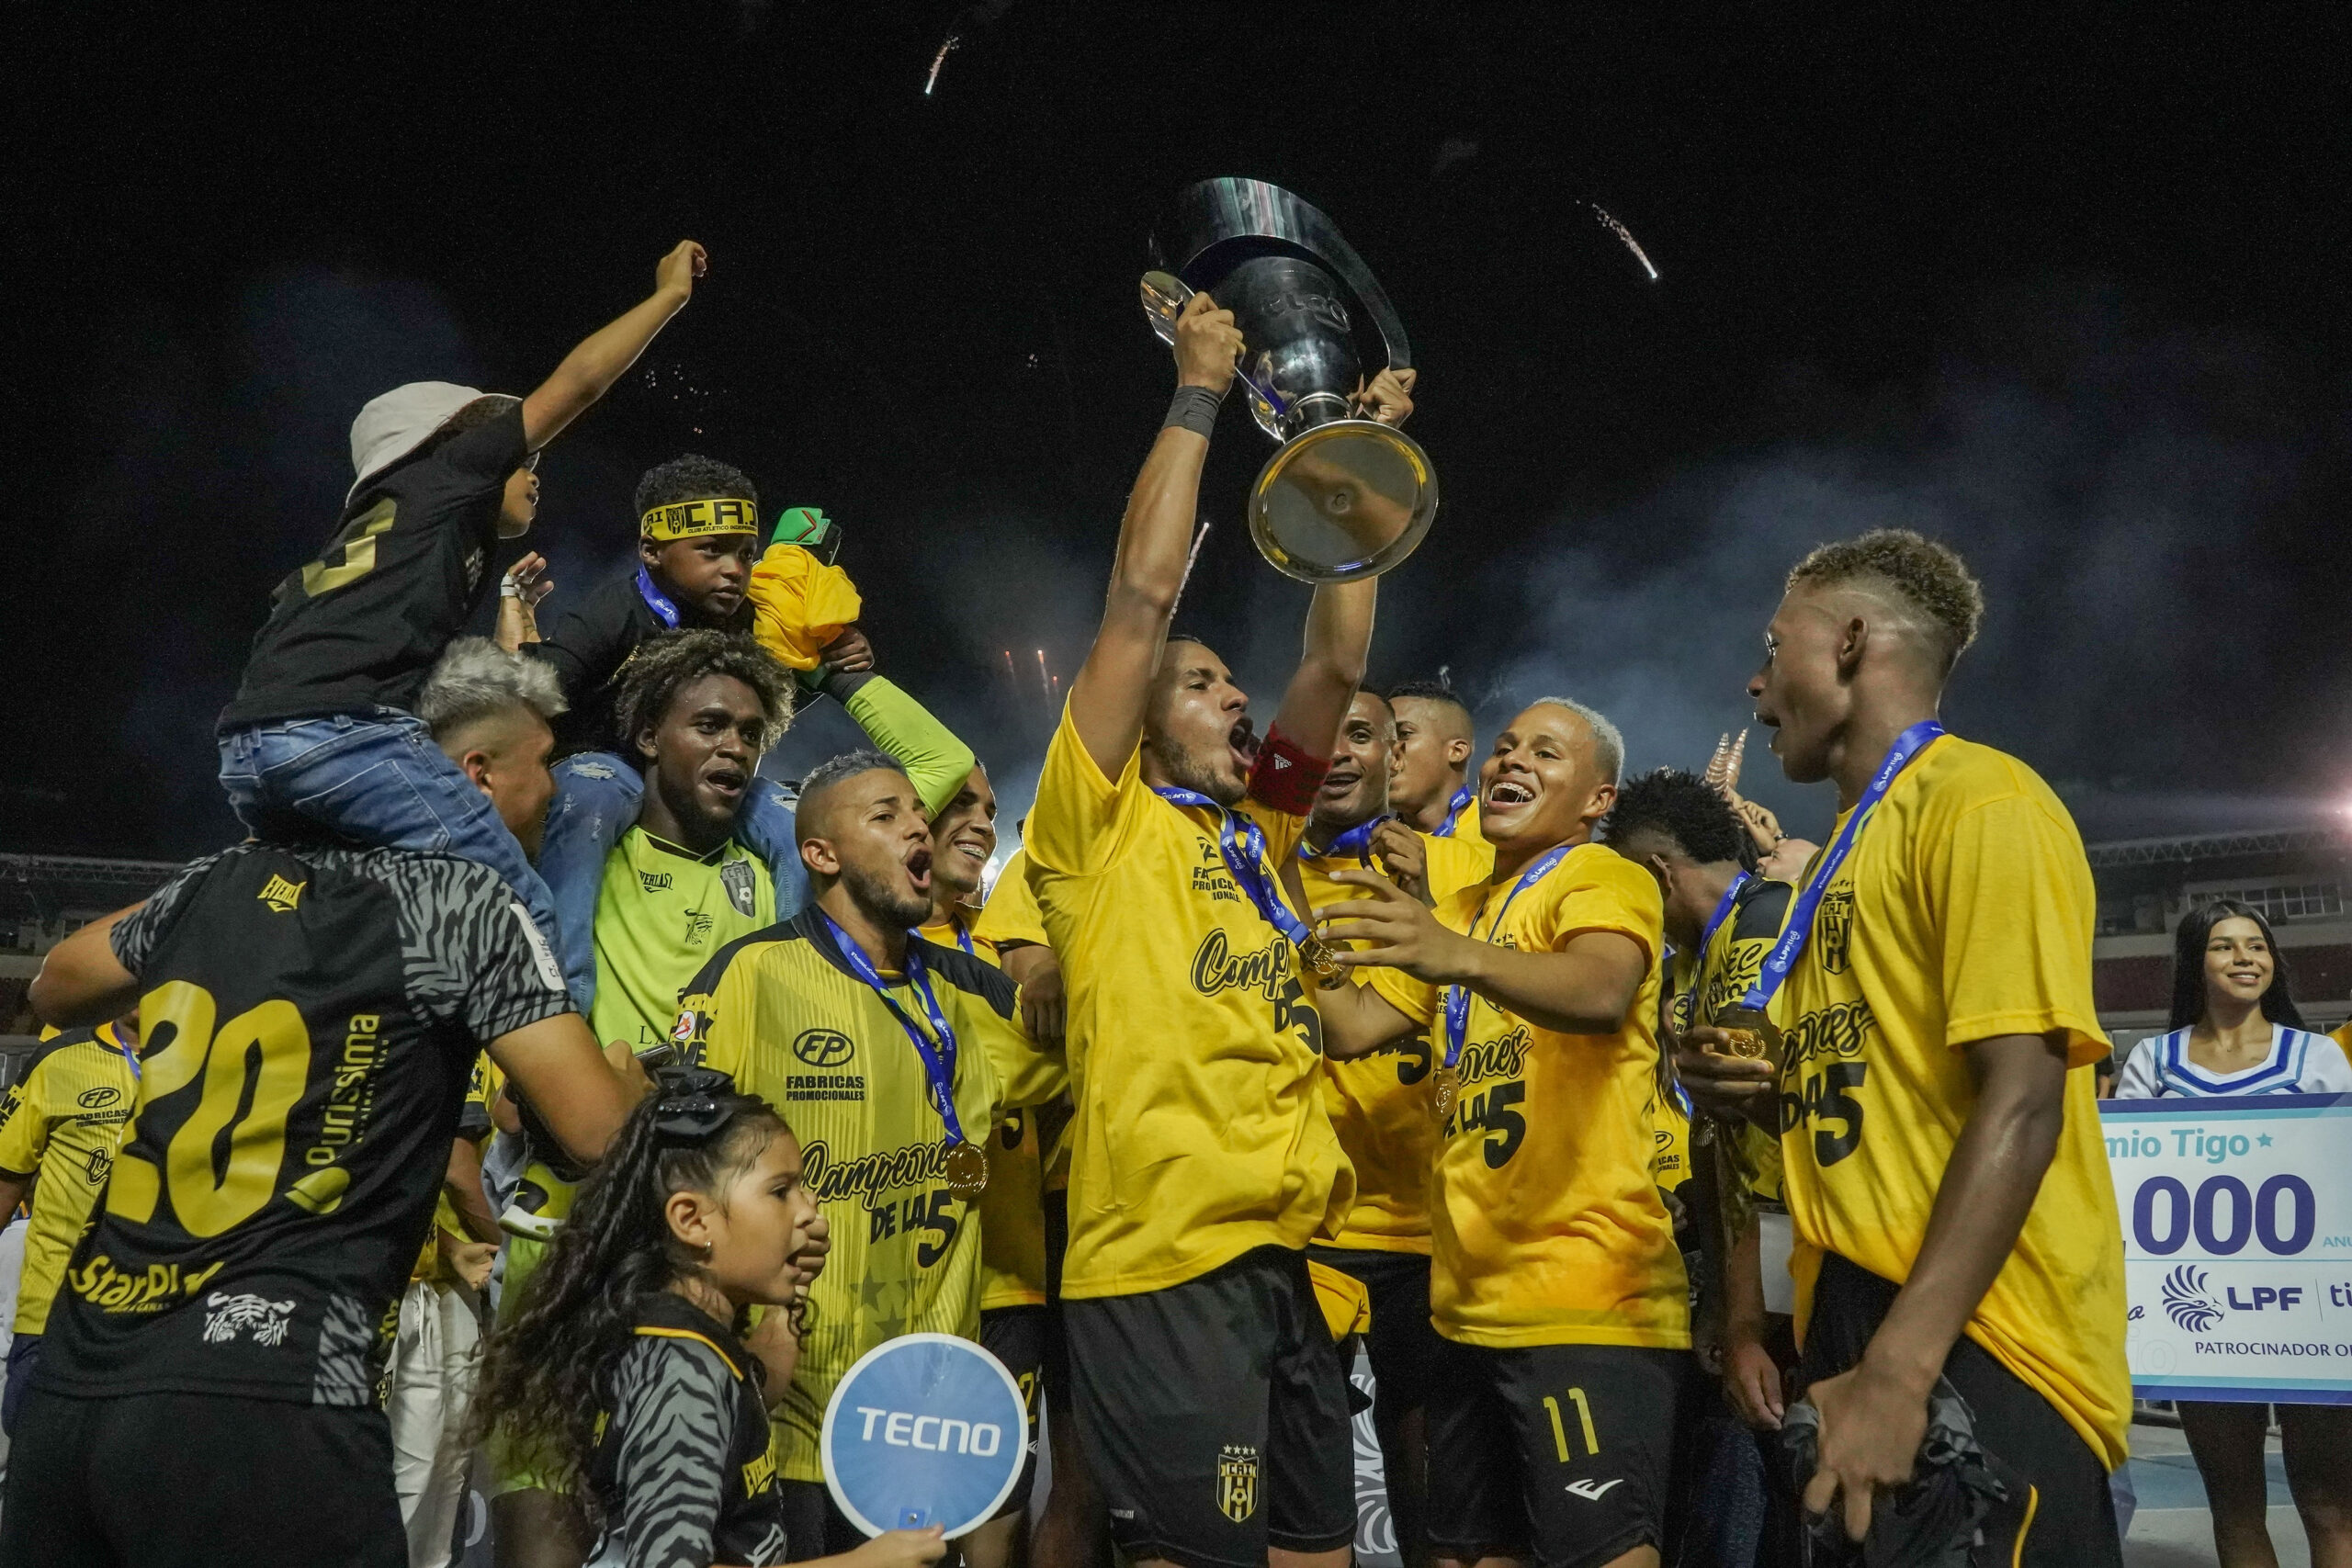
(679, 269)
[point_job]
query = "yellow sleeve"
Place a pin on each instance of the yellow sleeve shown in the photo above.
(2011, 895)
(1026, 1073)
(1417, 999)
(1011, 914)
(726, 1021)
(1600, 891)
(1455, 864)
(2343, 1037)
(24, 1123)
(1282, 830)
(1081, 821)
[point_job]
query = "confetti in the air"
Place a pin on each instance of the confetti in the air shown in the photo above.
(1625, 234)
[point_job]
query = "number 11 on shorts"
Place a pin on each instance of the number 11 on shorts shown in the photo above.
(1584, 1419)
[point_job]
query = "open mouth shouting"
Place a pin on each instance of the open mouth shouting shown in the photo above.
(919, 869)
(1243, 741)
(726, 782)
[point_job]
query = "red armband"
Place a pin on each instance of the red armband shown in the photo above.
(1285, 777)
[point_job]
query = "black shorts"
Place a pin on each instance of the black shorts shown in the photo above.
(1560, 1455)
(1401, 1345)
(1016, 1335)
(159, 1480)
(1216, 1414)
(2070, 1520)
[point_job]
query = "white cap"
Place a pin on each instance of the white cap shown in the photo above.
(392, 425)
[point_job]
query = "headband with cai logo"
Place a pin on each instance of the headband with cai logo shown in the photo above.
(692, 519)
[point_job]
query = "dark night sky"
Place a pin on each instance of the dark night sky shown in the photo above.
(2063, 285)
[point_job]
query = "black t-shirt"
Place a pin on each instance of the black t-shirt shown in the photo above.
(309, 1019)
(682, 1469)
(360, 626)
(591, 646)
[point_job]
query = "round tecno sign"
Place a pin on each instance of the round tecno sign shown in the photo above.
(925, 1429)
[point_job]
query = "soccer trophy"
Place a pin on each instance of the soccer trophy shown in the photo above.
(1343, 497)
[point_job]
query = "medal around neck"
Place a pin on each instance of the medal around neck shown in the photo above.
(924, 1429)
(967, 1170)
(1343, 497)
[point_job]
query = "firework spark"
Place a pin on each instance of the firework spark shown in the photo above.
(938, 60)
(1623, 234)
(1045, 681)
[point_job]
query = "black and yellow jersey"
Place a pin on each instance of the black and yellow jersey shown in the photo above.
(1196, 1052)
(61, 1122)
(1379, 1104)
(1705, 985)
(309, 1019)
(1012, 1211)
(782, 1014)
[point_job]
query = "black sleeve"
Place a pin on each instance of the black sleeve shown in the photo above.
(134, 936)
(589, 639)
(1762, 913)
(488, 453)
(474, 957)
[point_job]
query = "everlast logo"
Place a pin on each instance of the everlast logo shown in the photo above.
(869, 1176)
(1835, 1030)
(1216, 968)
(823, 1047)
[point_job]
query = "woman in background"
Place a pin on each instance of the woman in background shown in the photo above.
(2236, 1031)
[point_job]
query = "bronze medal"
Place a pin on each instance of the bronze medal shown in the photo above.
(967, 1170)
(1445, 1088)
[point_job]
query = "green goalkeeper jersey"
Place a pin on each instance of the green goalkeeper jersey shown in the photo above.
(664, 913)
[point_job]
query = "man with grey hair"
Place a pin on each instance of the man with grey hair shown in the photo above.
(490, 712)
(1564, 1334)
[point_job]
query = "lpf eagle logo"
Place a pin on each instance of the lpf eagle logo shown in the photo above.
(2186, 1300)
(1237, 1482)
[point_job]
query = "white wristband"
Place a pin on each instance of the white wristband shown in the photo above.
(508, 589)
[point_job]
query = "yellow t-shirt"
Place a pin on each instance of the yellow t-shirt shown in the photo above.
(1011, 915)
(1548, 1229)
(781, 1015)
(1467, 827)
(1012, 1211)
(1195, 1055)
(1964, 911)
(61, 1124)
(1705, 985)
(1377, 1104)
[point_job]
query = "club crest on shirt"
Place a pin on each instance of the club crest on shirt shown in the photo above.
(1237, 1482)
(1833, 930)
(264, 1321)
(741, 884)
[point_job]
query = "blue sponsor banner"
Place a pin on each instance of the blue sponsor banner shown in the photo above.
(2237, 1245)
(925, 1429)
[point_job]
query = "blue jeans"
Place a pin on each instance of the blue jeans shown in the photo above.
(596, 799)
(375, 778)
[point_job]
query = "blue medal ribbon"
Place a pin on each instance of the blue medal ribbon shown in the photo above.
(655, 600)
(1355, 843)
(1457, 997)
(1723, 912)
(1245, 857)
(938, 1055)
(1454, 809)
(129, 1053)
(1793, 936)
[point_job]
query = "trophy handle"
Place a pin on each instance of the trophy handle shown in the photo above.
(1165, 295)
(1246, 210)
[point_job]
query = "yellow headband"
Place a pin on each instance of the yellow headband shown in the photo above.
(692, 519)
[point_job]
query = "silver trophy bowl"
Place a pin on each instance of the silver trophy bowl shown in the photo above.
(1341, 497)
